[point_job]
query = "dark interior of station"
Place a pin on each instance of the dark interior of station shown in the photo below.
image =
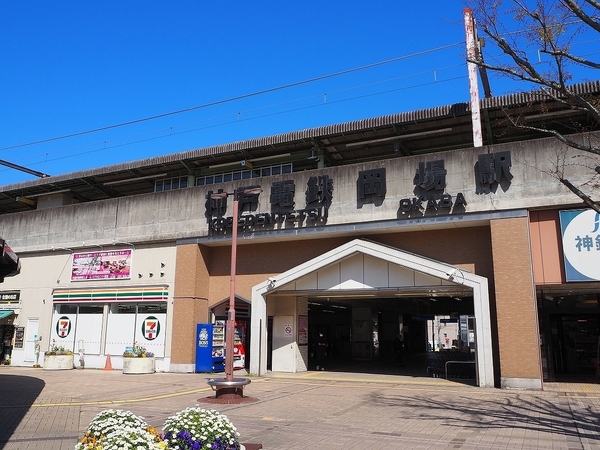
(360, 334)
(361, 331)
(570, 333)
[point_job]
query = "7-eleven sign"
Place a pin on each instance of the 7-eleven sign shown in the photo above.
(150, 328)
(63, 327)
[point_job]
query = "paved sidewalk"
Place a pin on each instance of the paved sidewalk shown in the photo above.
(313, 410)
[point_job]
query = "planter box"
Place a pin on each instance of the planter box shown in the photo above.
(139, 365)
(59, 362)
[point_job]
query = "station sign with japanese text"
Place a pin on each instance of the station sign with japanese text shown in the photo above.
(581, 244)
(430, 196)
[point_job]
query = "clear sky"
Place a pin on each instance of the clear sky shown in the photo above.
(238, 70)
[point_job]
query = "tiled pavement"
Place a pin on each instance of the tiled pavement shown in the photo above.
(314, 410)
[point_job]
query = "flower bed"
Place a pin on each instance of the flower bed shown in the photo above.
(137, 351)
(58, 358)
(139, 365)
(58, 362)
(192, 428)
(208, 428)
(137, 360)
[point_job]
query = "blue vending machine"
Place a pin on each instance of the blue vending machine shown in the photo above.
(210, 347)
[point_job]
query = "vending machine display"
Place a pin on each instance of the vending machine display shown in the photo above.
(218, 345)
(210, 347)
(239, 353)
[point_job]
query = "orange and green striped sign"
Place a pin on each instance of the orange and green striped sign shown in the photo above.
(160, 293)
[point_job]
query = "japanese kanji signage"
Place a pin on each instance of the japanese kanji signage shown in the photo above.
(492, 169)
(581, 244)
(318, 194)
(429, 195)
(430, 187)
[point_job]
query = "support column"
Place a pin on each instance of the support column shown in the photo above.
(190, 305)
(516, 305)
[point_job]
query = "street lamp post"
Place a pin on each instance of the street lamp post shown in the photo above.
(230, 330)
(231, 385)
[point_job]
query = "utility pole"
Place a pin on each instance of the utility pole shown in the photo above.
(473, 85)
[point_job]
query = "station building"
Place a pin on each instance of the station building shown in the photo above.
(362, 230)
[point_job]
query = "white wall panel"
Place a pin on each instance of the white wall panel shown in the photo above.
(308, 282)
(89, 329)
(422, 279)
(401, 276)
(376, 272)
(64, 336)
(119, 333)
(352, 274)
(156, 344)
(329, 277)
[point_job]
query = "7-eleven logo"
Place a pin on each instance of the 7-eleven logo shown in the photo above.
(151, 328)
(63, 327)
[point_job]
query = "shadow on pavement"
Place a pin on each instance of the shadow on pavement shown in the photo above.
(529, 414)
(18, 394)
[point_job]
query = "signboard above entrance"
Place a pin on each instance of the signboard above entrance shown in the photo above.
(293, 205)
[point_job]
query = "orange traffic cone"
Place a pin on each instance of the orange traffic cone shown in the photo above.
(108, 365)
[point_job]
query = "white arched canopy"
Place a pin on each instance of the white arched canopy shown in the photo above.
(330, 272)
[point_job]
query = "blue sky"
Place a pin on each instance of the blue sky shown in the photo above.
(72, 67)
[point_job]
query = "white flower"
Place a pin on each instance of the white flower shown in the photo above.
(203, 426)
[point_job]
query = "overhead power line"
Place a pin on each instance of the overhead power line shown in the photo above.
(237, 120)
(232, 99)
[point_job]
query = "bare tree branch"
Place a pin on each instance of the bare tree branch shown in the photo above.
(586, 18)
(548, 28)
(594, 149)
(586, 199)
(574, 58)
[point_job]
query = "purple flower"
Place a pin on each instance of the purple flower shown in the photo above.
(183, 434)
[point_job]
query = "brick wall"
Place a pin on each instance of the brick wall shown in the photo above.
(190, 304)
(518, 332)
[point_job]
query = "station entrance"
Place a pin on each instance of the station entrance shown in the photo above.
(362, 296)
(413, 335)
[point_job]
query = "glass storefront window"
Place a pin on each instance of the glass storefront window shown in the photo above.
(66, 309)
(126, 308)
(91, 309)
(154, 308)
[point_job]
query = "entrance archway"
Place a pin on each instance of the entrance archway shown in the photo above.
(243, 311)
(361, 267)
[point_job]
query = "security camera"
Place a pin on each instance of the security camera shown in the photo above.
(271, 280)
(451, 273)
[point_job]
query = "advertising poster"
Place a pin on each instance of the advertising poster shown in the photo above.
(302, 330)
(101, 265)
(581, 244)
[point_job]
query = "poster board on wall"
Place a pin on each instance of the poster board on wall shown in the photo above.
(302, 330)
(101, 265)
(580, 231)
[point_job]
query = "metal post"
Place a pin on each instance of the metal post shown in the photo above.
(229, 388)
(230, 330)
